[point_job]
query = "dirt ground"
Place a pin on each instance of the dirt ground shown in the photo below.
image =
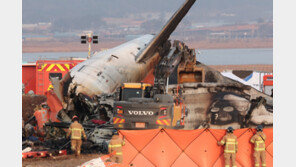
(251, 67)
(59, 161)
(231, 44)
(57, 46)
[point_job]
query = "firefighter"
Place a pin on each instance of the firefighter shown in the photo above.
(76, 131)
(41, 116)
(116, 144)
(259, 146)
(230, 147)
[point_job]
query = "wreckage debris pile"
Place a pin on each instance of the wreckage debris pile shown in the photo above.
(55, 145)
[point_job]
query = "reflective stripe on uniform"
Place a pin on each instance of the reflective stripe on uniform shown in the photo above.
(119, 153)
(256, 164)
(230, 140)
(73, 136)
(257, 145)
(229, 151)
(227, 166)
(114, 145)
(222, 142)
(263, 164)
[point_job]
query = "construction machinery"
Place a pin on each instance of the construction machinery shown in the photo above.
(143, 106)
(139, 108)
(178, 67)
(188, 71)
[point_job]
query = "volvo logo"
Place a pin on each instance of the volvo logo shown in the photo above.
(140, 112)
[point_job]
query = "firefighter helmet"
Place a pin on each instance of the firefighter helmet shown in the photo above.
(230, 129)
(115, 132)
(259, 128)
(74, 118)
(44, 105)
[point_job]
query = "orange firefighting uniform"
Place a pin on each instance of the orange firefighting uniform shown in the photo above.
(116, 144)
(259, 148)
(76, 131)
(41, 116)
(230, 148)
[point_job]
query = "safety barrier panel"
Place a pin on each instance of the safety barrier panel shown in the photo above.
(190, 148)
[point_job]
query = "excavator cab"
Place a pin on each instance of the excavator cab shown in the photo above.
(139, 107)
(134, 90)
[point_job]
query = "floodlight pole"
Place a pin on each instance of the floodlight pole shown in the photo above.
(89, 38)
(89, 44)
(89, 50)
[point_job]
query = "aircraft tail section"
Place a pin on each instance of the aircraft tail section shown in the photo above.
(165, 33)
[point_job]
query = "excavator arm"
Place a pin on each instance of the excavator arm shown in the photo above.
(182, 58)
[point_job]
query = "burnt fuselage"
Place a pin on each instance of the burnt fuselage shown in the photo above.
(104, 72)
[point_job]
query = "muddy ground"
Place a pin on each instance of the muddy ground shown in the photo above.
(59, 161)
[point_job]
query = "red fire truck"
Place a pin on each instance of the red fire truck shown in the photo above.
(268, 84)
(36, 75)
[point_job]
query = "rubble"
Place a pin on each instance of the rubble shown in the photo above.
(55, 138)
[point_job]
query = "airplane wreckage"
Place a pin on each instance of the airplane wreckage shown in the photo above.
(212, 100)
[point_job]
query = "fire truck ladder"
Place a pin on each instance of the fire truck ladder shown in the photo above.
(40, 80)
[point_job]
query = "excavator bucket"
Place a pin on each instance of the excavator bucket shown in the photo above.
(190, 75)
